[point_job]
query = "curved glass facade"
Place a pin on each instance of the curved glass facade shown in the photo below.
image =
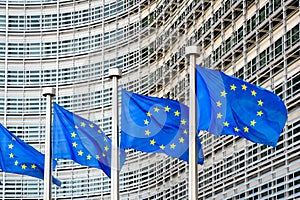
(71, 44)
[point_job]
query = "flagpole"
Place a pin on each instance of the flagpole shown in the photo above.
(114, 74)
(192, 52)
(48, 93)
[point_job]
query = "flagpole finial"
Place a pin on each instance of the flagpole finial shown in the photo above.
(192, 50)
(114, 72)
(48, 91)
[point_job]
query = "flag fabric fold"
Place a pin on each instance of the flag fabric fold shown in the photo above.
(157, 125)
(230, 106)
(81, 140)
(20, 158)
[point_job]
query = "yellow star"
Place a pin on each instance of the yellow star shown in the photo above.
(219, 115)
(11, 155)
(91, 125)
(181, 140)
(16, 162)
(259, 113)
(223, 94)
(147, 132)
(106, 148)
(105, 139)
(185, 131)
(252, 123)
(152, 142)
(76, 127)
(149, 114)
(146, 121)
(226, 124)
(73, 134)
(156, 109)
(74, 144)
(253, 93)
(99, 131)
(80, 153)
(10, 146)
(103, 154)
(97, 157)
(24, 166)
(232, 87)
(82, 124)
(236, 129)
(177, 113)
(33, 166)
(89, 157)
(219, 103)
(172, 146)
(260, 102)
(167, 109)
(183, 122)
(162, 147)
(246, 129)
(244, 87)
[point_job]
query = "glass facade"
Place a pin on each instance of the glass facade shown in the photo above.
(71, 44)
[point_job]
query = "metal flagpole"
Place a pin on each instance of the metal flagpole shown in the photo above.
(48, 93)
(192, 52)
(114, 74)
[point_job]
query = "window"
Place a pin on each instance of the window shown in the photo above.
(262, 59)
(227, 44)
(293, 85)
(227, 5)
(207, 25)
(240, 34)
(262, 14)
(217, 15)
(278, 47)
(240, 73)
(2, 21)
(295, 35)
(217, 54)
(277, 4)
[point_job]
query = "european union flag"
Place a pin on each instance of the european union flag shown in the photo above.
(158, 125)
(81, 140)
(20, 158)
(230, 106)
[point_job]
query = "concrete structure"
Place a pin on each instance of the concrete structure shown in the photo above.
(71, 44)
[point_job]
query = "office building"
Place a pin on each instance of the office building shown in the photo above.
(71, 44)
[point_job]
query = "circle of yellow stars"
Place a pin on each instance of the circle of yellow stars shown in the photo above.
(80, 152)
(252, 123)
(176, 113)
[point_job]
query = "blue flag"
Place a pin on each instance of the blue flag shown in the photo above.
(81, 140)
(20, 158)
(158, 125)
(230, 106)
